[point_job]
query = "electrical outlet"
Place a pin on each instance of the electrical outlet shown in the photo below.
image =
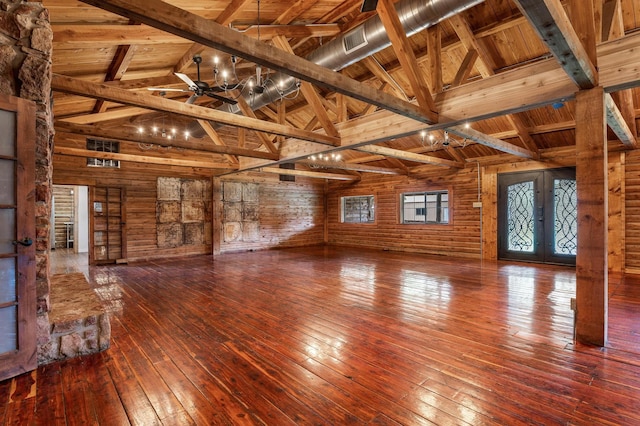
(477, 204)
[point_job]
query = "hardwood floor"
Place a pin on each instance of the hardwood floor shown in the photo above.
(333, 336)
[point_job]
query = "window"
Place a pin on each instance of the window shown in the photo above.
(102, 146)
(358, 209)
(425, 207)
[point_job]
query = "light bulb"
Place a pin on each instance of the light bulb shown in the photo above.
(140, 129)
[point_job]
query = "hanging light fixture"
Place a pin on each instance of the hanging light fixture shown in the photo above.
(226, 78)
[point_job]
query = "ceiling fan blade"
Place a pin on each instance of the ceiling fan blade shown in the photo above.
(221, 98)
(192, 99)
(166, 89)
(192, 85)
(369, 5)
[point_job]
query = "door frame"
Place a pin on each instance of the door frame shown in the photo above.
(24, 359)
(543, 211)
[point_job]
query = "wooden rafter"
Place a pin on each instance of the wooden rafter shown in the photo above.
(434, 55)
(292, 11)
(409, 156)
(195, 28)
(246, 109)
(119, 64)
(74, 86)
(215, 137)
(554, 28)
(616, 122)
(486, 65)
(312, 97)
(123, 134)
(406, 57)
(487, 140)
(353, 167)
(465, 68)
(309, 174)
(381, 74)
(79, 152)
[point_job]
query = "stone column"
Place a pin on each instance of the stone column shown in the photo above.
(25, 71)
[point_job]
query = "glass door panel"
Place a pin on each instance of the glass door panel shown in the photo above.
(537, 216)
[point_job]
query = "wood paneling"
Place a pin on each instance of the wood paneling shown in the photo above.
(461, 237)
(139, 182)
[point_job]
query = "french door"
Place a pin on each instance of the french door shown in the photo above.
(537, 216)
(108, 237)
(17, 231)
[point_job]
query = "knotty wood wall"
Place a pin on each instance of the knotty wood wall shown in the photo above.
(461, 237)
(140, 183)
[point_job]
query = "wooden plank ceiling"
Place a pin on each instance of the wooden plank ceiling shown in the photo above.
(483, 85)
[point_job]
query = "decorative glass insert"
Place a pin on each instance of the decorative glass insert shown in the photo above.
(358, 209)
(8, 329)
(520, 217)
(425, 207)
(103, 146)
(8, 134)
(565, 219)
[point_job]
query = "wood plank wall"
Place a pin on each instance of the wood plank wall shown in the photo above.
(632, 212)
(461, 237)
(139, 181)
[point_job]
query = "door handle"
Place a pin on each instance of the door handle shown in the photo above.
(26, 241)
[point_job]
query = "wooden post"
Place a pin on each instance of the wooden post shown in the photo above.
(591, 176)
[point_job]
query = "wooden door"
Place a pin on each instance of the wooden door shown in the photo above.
(537, 216)
(17, 232)
(108, 237)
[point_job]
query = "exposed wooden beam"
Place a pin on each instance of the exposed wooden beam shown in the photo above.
(612, 22)
(248, 111)
(180, 22)
(305, 173)
(113, 114)
(215, 137)
(522, 132)
(434, 55)
(492, 142)
(268, 32)
(461, 26)
(409, 156)
(146, 159)
(381, 74)
(353, 167)
(124, 134)
(616, 122)
(521, 89)
(407, 58)
(552, 25)
(100, 91)
(310, 94)
(293, 10)
(465, 68)
(119, 64)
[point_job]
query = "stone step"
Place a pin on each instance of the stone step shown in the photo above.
(79, 324)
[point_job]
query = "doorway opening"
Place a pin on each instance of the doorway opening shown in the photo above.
(537, 216)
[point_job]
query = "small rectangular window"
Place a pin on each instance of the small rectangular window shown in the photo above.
(103, 146)
(358, 209)
(425, 207)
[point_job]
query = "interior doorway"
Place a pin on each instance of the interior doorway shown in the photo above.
(537, 216)
(70, 218)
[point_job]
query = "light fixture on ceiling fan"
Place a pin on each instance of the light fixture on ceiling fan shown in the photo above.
(198, 87)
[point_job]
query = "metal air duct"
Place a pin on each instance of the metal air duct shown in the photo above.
(362, 41)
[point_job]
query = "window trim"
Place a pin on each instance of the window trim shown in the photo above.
(103, 162)
(401, 219)
(341, 199)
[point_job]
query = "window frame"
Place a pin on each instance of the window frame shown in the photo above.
(341, 201)
(426, 193)
(114, 147)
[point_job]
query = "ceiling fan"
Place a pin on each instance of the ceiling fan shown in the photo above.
(198, 87)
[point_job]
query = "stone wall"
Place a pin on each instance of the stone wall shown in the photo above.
(25, 72)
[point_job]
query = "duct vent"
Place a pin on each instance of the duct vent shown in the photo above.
(355, 40)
